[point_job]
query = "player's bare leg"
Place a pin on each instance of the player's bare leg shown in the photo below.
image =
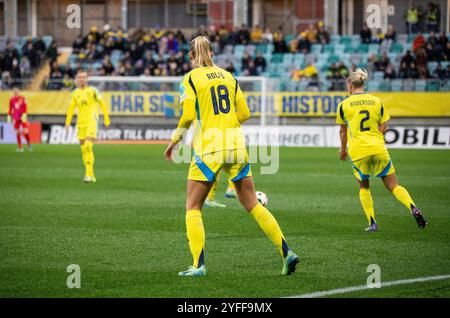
(367, 204)
(402, 195)
(197, 191)
(246, 194)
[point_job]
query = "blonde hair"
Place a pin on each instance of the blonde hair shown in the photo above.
(201, 49)
(358, 78)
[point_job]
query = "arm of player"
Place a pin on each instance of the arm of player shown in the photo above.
(384, 118)
(106, 119)
(343, 137)
(24, 115)
(70, 112)
(242, 110)
(183, 125)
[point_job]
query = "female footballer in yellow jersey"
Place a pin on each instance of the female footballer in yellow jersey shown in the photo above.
(363, 121)
(86, 99)
(212, 99)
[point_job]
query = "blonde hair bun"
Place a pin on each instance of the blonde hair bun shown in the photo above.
(358, 77)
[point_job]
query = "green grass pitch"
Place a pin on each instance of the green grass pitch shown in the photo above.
(127, 231)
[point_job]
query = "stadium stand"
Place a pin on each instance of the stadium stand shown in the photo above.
(314, 57)
(21, 57)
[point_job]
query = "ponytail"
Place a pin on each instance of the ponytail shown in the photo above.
(201, 51)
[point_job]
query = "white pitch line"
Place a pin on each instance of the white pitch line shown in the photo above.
(363, 287)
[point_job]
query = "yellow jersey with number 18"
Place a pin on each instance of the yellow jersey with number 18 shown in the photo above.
(362, 114)
(215, 93)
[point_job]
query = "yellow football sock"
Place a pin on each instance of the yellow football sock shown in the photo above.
(196, 236)
(89, 160)
(270, 227)
(231, 184)
(83, 154)
(367, 203)
(403, 196)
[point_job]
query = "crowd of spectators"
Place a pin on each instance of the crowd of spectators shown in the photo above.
(19, 64)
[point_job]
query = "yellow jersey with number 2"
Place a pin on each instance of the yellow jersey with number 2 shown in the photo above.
(362, 114)
(215, 93)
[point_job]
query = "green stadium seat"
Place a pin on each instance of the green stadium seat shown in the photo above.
(385, 86)
(333, 58)
(277, 58)
(316, 48)
(433, 86)
(328, 48)
(363, 48)
(397, 85)
(335, 39)
(420, 85)
(378, 76)
(262, 48)
(396, 48)
(345, 39)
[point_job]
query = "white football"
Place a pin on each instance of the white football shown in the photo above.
(262, 198)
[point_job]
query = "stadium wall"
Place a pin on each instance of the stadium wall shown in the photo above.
(280, 104)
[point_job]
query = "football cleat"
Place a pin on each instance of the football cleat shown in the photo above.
(88, 179)
(418, 215)
(372, 228)
(30, 148)
(194, 271)
(19, 150)
(289, 262)
(214, 204)
(230, 193)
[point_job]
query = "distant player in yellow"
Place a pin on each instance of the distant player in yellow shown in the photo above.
(212, 99)
(363, 121)
(86, 99)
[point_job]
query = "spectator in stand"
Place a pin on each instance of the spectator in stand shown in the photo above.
(366, 34)
(16, 74)
(11, 54)
(439, 72)
(446, 52)
(391, 34)
(78, 44)
(250, 70)
(421, 57)
(323, 36)
(256, 35)
(268, 36)
(408, 58)
(233, 37)
(223, 36)
(293, 45)
(413, 72)
(412, 19)
(332, 72)
(382, 62)
(303, 45)
(309, 71)
(25, 66)
(230, 68)
(379, 37)
(278, 42)
(371, 63)
(432, 17)
(245, 61)
(29, 51)
(311, 33)
(172, 43)
(108, 68)
(342, 70)
(447, 72)
(244, 35)
(389, 72)
(443, 40)
(260, 63)
(419, 41)
(423, 72)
